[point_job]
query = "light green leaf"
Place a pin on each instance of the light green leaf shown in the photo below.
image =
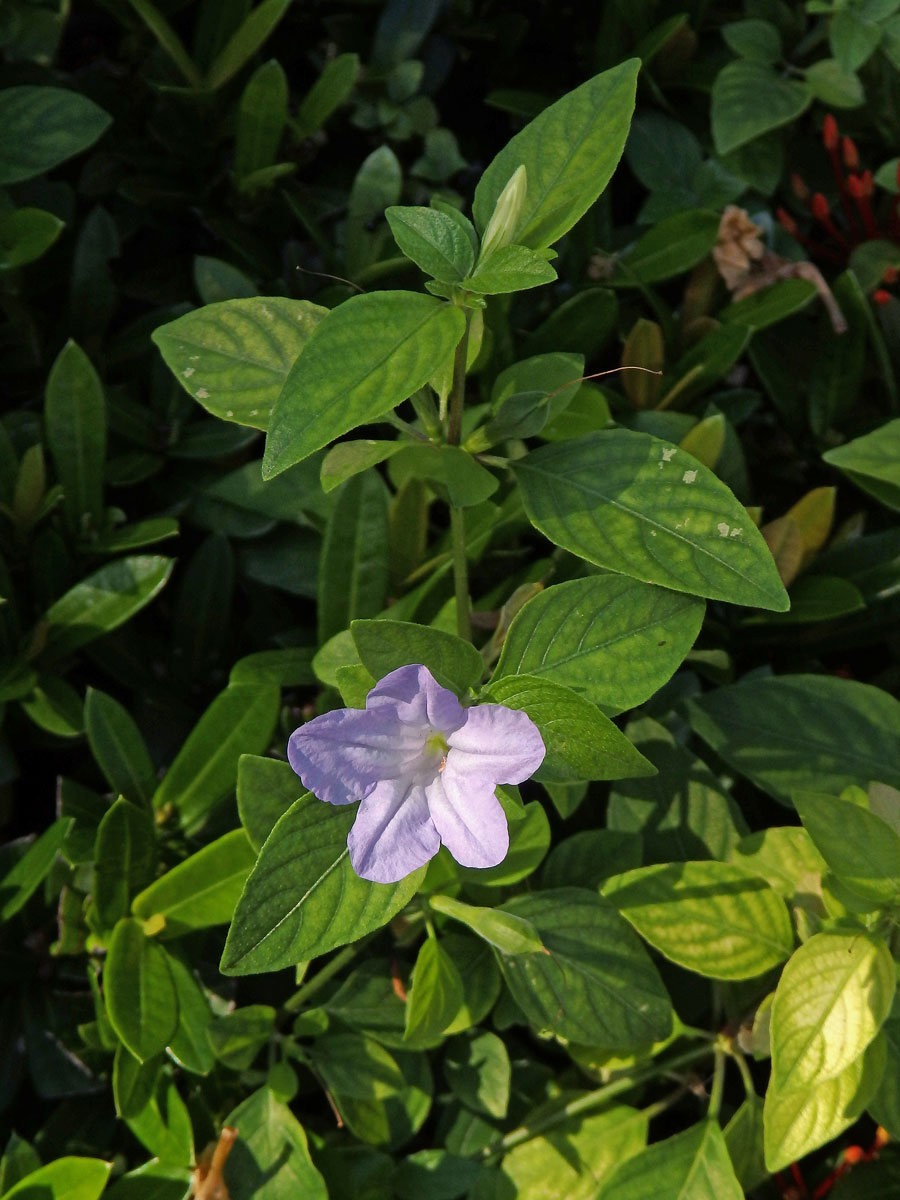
(54, 705)
(201, 891)
(303, 898)
(119, 748)
(785, 857)
(504, 931)
(240, 720)
(233, 357)
(353, 565)
(639, 506)
(861, 848)
(437, 992)
(189, 1045)
(133, 1082)
(66, 1178)
(509, 269)
(834, 86)
(479, 1073)
(872, 462)
(433, 240)
(102, 602)
(833, 997)
(614, 996)
(354, 1065)
(42, 127)
(802, 732)
(368, 355)
(581, 742)
(799, 1121)
(266, 789)
(569, 151)
(693, 1165)
(749, 99)
(272, 1154)
(350, 458)
(386, 645)
(615, 640)
(22, 880)
(709, 917)
(329, 91)
(26, 234)
(164, 1126)
(140, 993)
(257, 27)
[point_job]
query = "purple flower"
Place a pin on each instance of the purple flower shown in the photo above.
(425, 769)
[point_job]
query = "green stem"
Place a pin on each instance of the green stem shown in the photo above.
(331, 968)
(747, 1078)
(718, 1085)
(457, 517)
(594, 1099)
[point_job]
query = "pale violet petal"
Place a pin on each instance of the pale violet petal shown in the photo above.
(393, 833)
(342, 755)
(496, 744)
(416, 698)
(469, 818)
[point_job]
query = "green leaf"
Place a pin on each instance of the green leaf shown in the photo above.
(744, 1139)
(237, 1037)
(853, 38)
(353, 566)
(437, 992)
(709, 917)
(861, 848)
(189, 1045)
(42, 127)
(258, 26)
(581, 742)
(201, 891)
(386, 645)
(569, 151)
(133, 1082)
(139, 990)
(799, 1121)
(119, 748)
(54, 705)
(589, 858)
(153, 1180)
(353, 1065)
(368, 355)
(303, 898)
(884, 1107)
(75, 420)
(692, 1164)
(272, 1153)
(753, 39)
(771, 305)
(576, 1156)
(639, 506)
(614, 996)
(266, 789)
(872, 462)
(102, 602)
(164, 1126)
(504, 931)
(168, 40)
(350, 458)
(834, 86)
(833, 997)
(468, 483)
(433, 240)
(125, 859)
(290, 667)
(671, 247)
(615, 640)
(66, 1178)
(529, 840)
(240, 720)
(749, 99)
(329, 91)
(708, 361)
(802, 732)
(26, 234)
(376, 186)
(18, 1160)
(234, 357)
(681, 813)
(261, 118)
(22, 880)
(509, 269)
(479, 1073)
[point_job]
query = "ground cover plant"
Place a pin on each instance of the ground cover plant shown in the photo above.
(449, 476)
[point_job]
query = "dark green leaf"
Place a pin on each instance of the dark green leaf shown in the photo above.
(42, 127)
(125, 859)
(386, 645)
(433, 240)
(75, 419)
(139, 990)
(118, 747)
(272, 1154)
(353, 569)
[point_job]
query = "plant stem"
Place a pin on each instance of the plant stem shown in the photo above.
(331, 968)
(595, 1099)
(718, 1085)
(457, 517)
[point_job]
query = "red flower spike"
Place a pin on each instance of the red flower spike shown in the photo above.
(820, 210)
(850, 154)
(786, 221)
(853, 1155)
(880, 296)
(830, 133)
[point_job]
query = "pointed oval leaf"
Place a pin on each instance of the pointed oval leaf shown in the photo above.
(642, 507)
(201, 891)
(303, 898)
(709, 917)
(139, 990)
(42, 127)
(75, 419)
(67, 1178)
(233, 357)
(367, 356)
(614, 639)
(861, 848)
(385, 645)
(437, 992)
(271, 1157)
(118, 746)
(693, 1165)
(433, 240)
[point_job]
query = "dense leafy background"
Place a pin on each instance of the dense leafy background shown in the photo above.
(682, 980)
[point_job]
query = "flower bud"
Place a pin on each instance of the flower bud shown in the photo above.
(501, 227)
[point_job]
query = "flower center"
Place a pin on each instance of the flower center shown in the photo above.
(436, 744)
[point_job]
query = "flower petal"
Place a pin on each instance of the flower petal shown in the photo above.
(496, 744)
(393, 833)
(416, 697)
(342, 755)
(469, 818)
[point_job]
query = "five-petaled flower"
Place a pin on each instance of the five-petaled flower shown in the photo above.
(425, 770)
